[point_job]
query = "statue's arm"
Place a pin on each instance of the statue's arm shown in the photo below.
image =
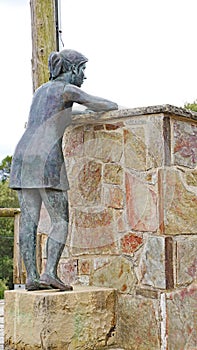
(94, 103)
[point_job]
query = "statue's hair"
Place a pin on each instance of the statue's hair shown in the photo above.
(63, 61)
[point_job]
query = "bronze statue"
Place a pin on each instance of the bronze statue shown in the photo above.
(38, 171)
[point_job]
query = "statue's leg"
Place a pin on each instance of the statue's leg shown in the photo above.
(56, 203)
(30, 203)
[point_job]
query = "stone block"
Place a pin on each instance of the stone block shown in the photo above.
(156, 263)
(68, 270)
(85, 182)
(117, 272)
(141, 202)
(113, 174)
(73, 142)
(114, 197)
(130, 243)
(186, 254)
(178, 202)
(143, 143)
(93, 232)
(138, 323)
(106, 146)
(184, 143)
(181, 311)
(85, 266)
(135, 148)
(81, 319)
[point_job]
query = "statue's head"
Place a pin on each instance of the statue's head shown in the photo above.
(68, 61)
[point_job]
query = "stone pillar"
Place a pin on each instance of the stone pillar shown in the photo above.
(133, 227)
(133, 223)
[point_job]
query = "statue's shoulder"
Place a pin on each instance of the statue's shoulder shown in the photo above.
(71, 88)
(72, 92)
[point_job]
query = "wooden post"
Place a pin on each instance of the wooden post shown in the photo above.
(44, 25)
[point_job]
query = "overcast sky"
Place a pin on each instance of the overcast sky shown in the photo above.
(140, 53)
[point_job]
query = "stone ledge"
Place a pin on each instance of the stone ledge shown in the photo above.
(81, 319)
(133, 112)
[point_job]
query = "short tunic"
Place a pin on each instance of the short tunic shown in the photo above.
(38, 160)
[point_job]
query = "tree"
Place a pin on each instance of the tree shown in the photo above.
(5, 167)
(8, 199)
(192, 106)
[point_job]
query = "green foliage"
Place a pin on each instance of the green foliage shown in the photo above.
(192, 106)
(8, 199)
(5, 167)
(3, 287)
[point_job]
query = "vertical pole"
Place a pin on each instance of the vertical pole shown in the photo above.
(44, 27)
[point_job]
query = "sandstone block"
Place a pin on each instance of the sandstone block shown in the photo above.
(185, 143)
(186, 253)
(181, 311)
(130, 243)
(135, 148)
(143, 142)
(93, 232)
(106, 146)
(113, 174)
(156, 263)
(73, 142)
(114, 197)
(85, 182)
(141, 202)
(138, 324)
(178, 203)
(117, 272)
(81, 319)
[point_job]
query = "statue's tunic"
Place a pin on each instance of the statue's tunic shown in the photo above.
(38, 159)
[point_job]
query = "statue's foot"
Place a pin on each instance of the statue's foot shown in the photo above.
(34, 284)
(49, 281)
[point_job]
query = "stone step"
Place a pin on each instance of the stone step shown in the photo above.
(83, 318)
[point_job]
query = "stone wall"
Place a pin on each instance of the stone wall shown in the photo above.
(133, 222)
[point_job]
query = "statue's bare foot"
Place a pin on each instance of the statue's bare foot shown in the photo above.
(34, 284)
(49, 281)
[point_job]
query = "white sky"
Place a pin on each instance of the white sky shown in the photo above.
(141, 53)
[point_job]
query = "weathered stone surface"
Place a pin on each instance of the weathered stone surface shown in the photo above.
(85, 266)
(143, 143)
(152, 264)
(186, 252)
(114, 197)
(178, 203)
(93, 232)
(130, 243)
(118, 273)
(85, 182)
(155, 140)
(191, 178)
(68, 270)
(141, 201)
(185, 143)
(89, 181)
(138, 326)
(135, 148)
(106, 146)
(81, 319)
(73, 141)
(113, 174)
(182, 318)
